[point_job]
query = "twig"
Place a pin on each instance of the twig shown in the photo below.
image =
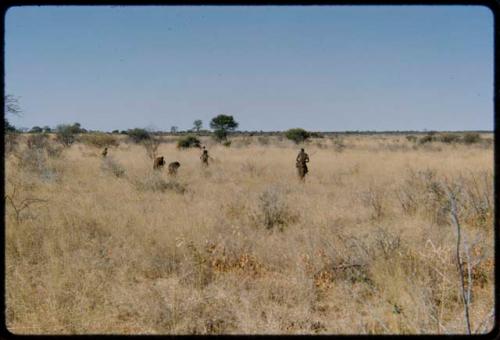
(346, 266)
(483, 323)
(454, 219)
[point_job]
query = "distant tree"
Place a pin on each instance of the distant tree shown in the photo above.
(188, 142)
(115, 131)
(297, 135)
(471, 137)
(77, 128)
(47, 129)
(315, 135)
(36, 129)
(138, 135)
(9, 127)
(222, 125)
(174, 129)
(427, 139)
(197, 125)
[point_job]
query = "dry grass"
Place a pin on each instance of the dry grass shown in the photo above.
(364, 246)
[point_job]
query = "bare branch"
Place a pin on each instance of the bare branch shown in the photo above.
(454, 219)
(12, 105)
(485, 320)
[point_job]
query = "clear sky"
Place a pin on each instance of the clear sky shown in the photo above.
(322, 68)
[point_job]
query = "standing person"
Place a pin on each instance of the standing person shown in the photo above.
(302, 159)
(204, 157)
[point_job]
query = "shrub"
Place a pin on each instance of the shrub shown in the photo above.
(99, 140)
(273, 211)
(11, 142)
(263, 140)
(227, 143)
(220, 135)
(54, 151)
(338, 144)
(297, 135)
(138, 135)
(65, 134)
(188, 142)
(411, 138)
(113, 167)
(315, 135)
(471, 138)
(426, 139)
(36, 129)
(37, 141)
(151, 145)
(449, 138)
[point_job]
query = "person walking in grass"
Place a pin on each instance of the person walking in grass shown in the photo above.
(204, 157)
(301, 164)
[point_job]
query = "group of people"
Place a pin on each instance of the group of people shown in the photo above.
(300, 163)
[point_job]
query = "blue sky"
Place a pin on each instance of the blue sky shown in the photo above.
(322, 68)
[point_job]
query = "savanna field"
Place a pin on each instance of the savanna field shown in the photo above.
(367, 245)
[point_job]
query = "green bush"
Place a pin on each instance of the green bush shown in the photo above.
(65, 134)
(297, 135)
(188, 142)
(227, 143)
(138, 135)
(220, 135)
(426, 139)
(471, 138)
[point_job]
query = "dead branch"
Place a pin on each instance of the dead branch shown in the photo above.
(466, 297)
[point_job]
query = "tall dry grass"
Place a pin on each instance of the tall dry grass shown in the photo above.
(365, 246)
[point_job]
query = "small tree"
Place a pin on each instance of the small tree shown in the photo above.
(36, 129)
(297, 135)
(47, 129)
(174, 129)
(65, 134)
(151, 145)
(197, 125)
(138, 135)
(222, 125)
